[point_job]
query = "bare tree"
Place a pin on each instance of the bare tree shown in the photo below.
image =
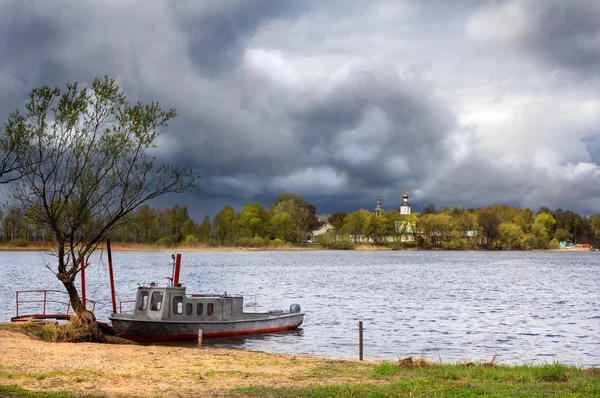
(83, 154)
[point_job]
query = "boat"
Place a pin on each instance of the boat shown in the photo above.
(166, 312)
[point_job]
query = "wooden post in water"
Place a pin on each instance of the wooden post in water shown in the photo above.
(112, 279)
(360, 340)
(83, 283)
(199, 338)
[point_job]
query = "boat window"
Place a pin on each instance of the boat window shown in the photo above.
(177, 305)
(143, 301)
(188, 309)
(156, 301)
(209, 309)
(199, 309)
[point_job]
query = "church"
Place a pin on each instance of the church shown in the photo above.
(404, 228)
(404, 207)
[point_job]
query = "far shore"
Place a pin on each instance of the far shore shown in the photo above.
(140, 247)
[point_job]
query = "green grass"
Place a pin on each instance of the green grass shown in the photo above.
(421, 379)
(17, 392)
(46, 375)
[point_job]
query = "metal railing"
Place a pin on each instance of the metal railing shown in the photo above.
(126, 311)
(45, 301)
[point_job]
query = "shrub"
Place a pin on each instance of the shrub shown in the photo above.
(164, 242)
(257, 241)
(277, 242)
(19, 242)
(55, 332)
(190, 239)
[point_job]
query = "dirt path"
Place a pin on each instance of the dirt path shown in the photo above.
(146, 371)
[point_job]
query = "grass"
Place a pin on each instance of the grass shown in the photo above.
(55, 332)
(424, 379)
(17, 392)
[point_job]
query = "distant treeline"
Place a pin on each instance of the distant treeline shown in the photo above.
(290, 220)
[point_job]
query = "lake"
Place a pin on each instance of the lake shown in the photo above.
(523, 307)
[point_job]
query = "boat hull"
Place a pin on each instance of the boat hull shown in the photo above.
(147, 330)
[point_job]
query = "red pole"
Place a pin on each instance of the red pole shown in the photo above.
(112, 279)
(83, 282)
(177, 267)
(45, 301)
(17, 304)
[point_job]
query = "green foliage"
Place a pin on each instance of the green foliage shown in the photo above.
(510, 236)
(224, 225)
(164, 242)
(277, 242)
(385, 369)
(19, 242)
(253, 220)
(548, 222)
(337, 219)
(17, 392)
(294, 197)
(257, 241)
(190, 239)
(336, 241)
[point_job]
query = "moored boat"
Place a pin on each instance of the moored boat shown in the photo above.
(166, 312)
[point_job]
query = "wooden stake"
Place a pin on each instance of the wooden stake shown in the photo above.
(360, 340)
(199, 338)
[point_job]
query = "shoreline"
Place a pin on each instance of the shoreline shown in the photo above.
(29, 365)
(134, 247)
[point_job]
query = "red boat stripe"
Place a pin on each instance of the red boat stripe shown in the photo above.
(135, 337)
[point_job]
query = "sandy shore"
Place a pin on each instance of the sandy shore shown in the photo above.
(147, 371)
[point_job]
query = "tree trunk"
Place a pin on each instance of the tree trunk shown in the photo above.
(90, 331)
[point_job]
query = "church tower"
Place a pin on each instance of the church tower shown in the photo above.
(378, 210)
(405, 206)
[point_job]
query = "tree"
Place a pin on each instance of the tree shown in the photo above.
(376, 229)
(84, 158)
(296, 198)
(547, 221)
(254, 220)
(145, 220)
(337, 219)
(510, 236)
(204, 229)
(489, 221)
(429, 209)
(354, 223)
(595, 223)
(562, 234)
(224, 225)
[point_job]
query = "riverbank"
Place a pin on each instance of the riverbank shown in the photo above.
(139, 247)
(84, 369)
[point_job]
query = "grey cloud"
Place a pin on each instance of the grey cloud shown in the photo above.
(564, 34)
(345, 101)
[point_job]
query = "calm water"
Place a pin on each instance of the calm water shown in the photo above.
(522, 307)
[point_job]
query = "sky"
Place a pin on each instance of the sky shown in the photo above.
(464, 102)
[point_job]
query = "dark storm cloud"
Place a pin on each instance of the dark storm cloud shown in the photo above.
(216, 37)
(340, 102)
